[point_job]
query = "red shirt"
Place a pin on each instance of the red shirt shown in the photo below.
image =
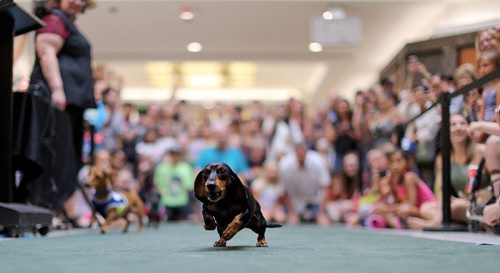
(55, 25)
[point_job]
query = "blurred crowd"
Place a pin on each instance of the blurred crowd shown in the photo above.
(358, 162)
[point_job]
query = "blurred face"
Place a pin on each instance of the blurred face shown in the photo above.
(222, 137)
(343, 108)
(176, 157)
(487, 42)
(384, 102)
(281, 112)
(463, 81)
(71, 7)
(102, 160)
(398, 163)
(359, 99)
(378, 161)
(420, 95)
(271, 173)
(436, 85)
(118, 160)
(351, 165)
(458, 129)
(472, 97)
(485, 67)
(301, 152)
(112, 98)
(150, 136)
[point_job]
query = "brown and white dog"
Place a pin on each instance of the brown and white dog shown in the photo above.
(111, 204)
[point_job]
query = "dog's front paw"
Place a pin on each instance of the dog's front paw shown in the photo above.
(220, 243)
(210, 226)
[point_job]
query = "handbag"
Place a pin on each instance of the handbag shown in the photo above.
(41, 90)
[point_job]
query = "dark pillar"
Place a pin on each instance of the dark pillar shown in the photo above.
(6, 64)
(446, 157)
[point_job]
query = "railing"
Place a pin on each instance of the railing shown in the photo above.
(444, 100)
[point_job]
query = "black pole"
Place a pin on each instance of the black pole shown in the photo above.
(446, 156)
(6, 74)
(447, 225)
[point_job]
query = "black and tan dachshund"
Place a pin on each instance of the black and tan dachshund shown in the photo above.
(228, 205)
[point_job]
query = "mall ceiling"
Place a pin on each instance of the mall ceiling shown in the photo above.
(260, 49)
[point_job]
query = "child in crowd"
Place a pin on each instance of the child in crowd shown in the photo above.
(488, 62)
(404, 193)
(269, 191)
(342, 196)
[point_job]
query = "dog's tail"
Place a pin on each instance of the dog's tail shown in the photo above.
(273, 225)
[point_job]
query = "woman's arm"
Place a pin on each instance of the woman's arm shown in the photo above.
(19, 43)
(48, 46)
(490, 128)
(481, 109)
(331, 133)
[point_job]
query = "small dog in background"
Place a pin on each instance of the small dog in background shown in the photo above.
(153, 208)
(111, 204)
(152, 199)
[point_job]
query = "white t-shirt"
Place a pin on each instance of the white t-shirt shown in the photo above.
(304, 185)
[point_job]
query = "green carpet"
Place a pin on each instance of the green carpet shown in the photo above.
(188, 248)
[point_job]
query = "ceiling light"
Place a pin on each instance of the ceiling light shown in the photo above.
(334, 14)
(328, 15)
(315, 47)
(158, 68)
(203, 81)
(194, 47)
(242, 68)
(186, 14)
(200, 68)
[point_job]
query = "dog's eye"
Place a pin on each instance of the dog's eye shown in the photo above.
(223, 173)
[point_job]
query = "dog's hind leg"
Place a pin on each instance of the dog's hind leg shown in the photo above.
(258, 225)
(127, 223)
(137, 208)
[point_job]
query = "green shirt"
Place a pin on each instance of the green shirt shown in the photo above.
(174, 182)
(459, 178)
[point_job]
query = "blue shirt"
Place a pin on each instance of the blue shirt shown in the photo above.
(234, 158)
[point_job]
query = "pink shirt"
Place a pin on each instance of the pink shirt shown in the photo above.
(424, 193)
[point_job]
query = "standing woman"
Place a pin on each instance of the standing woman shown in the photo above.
(63, 63)
(343, 134)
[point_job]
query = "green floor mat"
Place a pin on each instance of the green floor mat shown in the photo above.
(188, 248)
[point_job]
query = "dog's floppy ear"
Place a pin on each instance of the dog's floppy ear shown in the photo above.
(199, 186)
(92, 177)
(234, 177)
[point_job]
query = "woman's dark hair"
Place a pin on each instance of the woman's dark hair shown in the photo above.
(88, 4)
(351, 184)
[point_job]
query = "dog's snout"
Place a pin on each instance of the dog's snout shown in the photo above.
(211, 185)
